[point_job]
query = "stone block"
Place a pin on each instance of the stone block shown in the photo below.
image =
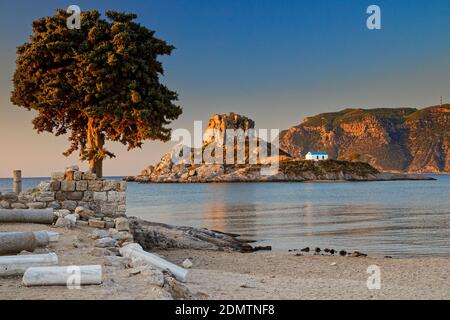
(45, 196)
(108, 209)
(121, 186)
(121, 208)
(82, 223)
(121, 198)
(109, 224)
(89, 176)
(105, 242)
(95, 185)
(18, 205)
(88, 196)
(122, 224)
(44, 186)
(84, 212)
(77, 175)
(75, 195)
(100, 196)
(54, 205)
(69, 176)
(62, 213)
(67, 186)
(37, 205)
(81, 185)
(5, 204)
(26, 197)
(95, 223)
(55, 185)
(69, 205)
(10, 196)
(57, 176)
(112, 196)
(99, 234)
(60, 196)
(109, 185)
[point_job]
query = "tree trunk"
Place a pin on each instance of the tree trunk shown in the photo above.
(95, 143)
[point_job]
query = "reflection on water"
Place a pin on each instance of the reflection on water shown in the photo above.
(223, 216)
(385, 218)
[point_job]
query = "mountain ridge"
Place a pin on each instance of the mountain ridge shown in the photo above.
(389, 139)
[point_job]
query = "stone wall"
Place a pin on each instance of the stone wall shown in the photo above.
(72, 189)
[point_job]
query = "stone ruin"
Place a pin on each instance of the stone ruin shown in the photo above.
(70, 190)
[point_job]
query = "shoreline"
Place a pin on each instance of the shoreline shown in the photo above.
(234, 275)
(400, 177)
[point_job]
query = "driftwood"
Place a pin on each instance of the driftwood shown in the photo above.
(135, 251)
(61, 276)
(15, 242)
(151, 235)
(17, 265)
(44, 216)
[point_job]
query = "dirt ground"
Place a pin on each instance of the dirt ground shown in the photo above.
(232, 275)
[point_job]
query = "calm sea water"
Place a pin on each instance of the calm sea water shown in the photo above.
(398, 218)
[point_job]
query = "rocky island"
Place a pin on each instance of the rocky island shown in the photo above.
(290, 168)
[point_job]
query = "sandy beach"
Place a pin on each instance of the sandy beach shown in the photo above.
(232, 275)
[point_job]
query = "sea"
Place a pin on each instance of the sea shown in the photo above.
(390, 218)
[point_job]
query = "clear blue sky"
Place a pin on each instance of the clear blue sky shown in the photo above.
(274, 61)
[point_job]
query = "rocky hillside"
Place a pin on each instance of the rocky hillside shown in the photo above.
(289, 168)
(402, 139)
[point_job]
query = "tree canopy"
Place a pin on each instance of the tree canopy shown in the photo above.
(100, 82)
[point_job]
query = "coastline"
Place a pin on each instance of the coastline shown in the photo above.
(234, 275)
(332, 177)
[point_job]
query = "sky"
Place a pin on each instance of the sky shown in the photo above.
(276, 62)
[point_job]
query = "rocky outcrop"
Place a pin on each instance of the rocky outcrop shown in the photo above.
(226, 121)
(402, 140)
(151, 236)
(284, 167)
(293, 170)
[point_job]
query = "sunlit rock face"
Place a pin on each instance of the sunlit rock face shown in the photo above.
(258, 161)
(398, 139)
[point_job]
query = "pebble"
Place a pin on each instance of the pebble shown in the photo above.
(82, 223)
(358, 254)
(99, 234)
(70, 221)
(60, 223)
(105, 242)
(115, 261)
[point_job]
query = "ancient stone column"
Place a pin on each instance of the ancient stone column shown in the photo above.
(17, 181)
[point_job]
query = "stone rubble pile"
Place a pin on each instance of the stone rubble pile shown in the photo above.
(74, 192)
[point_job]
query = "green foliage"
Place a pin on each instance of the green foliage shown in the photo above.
(327, 166)
(333, 119)
(107, 73)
